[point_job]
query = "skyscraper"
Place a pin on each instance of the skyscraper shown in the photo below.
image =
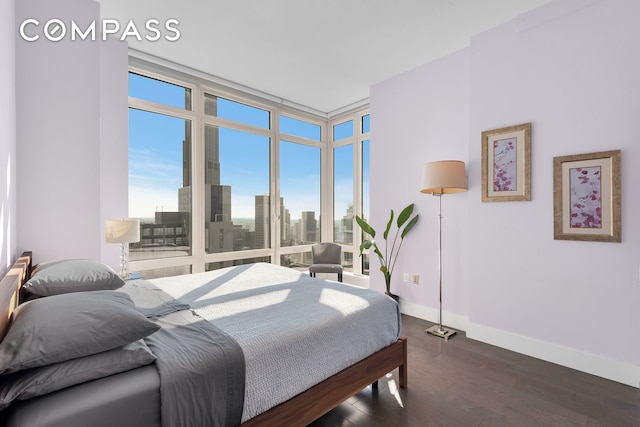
(219, 235)
(263, 234)
(309, 227)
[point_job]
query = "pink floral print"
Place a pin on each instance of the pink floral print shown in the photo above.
(504, 165)
(586, 201)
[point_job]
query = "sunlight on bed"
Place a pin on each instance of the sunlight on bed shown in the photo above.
(254, 302)
(343, 302)
(393, 389)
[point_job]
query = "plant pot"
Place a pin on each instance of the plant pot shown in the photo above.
(394, 297)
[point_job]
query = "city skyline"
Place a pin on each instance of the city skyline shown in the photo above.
(155, 174)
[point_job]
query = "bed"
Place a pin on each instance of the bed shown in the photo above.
(306, 345)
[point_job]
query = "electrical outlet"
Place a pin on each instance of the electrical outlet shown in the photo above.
(406, 278)
(415, 279)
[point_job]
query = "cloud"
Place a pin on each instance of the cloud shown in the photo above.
(145, 201)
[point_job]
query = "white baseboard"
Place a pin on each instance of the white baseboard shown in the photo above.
(594, 364)
(454, 321)
(615, 370)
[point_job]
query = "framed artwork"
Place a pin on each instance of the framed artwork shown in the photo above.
(506, 164)
(586, 197)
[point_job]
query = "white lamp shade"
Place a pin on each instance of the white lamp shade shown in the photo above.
(122, 230)
(444, 177)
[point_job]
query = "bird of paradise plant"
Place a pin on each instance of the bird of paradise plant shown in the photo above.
(404, 224)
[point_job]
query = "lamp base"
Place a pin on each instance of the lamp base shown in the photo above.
(124, 261)
(440, 332)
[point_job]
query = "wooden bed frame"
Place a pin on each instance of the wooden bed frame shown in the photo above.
(323, 397)
(297, 411)
(10, 288)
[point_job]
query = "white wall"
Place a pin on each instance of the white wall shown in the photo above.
(422, 116)
(114, 141)
(8, 245)
(69, 113)
(571, 68)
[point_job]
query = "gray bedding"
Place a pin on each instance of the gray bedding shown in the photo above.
(194, 359)
(128, 399)
(201, 372)
(293, 330)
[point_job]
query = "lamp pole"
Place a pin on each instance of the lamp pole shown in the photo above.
(438, 330)
(440, 178)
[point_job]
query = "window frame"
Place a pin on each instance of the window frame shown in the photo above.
(356, 140)
(198, 259)
(196, 205)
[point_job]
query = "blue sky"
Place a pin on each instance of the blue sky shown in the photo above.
(155, 157)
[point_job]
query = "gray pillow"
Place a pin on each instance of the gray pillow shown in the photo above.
(62, 327)
(73, 275)
(46, 379)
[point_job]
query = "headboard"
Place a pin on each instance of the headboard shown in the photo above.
(10, 286)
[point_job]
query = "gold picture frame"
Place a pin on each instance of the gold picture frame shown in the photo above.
(506, 164)
(586, 197)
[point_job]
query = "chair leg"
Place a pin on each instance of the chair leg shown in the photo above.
(339, 277)
(312, 274)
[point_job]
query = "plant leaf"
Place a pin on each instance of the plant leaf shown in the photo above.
(409, 226)
(365, 227)
(386, 231)
(405, 215)
(366, 244)
(377, 251)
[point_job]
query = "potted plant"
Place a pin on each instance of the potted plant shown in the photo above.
(388, 260)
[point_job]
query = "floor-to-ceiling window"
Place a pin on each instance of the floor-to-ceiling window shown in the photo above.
(299, 181)
(363, 183)
(221, 179)
(236, 163)
(160, 142)
(350, 153)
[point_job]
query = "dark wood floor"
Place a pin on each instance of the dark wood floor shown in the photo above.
(464, 382)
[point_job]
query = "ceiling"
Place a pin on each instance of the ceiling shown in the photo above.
(322, 54)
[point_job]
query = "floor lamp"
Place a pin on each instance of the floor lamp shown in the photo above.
(438, 179)
(123, 231)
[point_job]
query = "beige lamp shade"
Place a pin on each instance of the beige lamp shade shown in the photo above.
(122, 230)
(444, 177)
